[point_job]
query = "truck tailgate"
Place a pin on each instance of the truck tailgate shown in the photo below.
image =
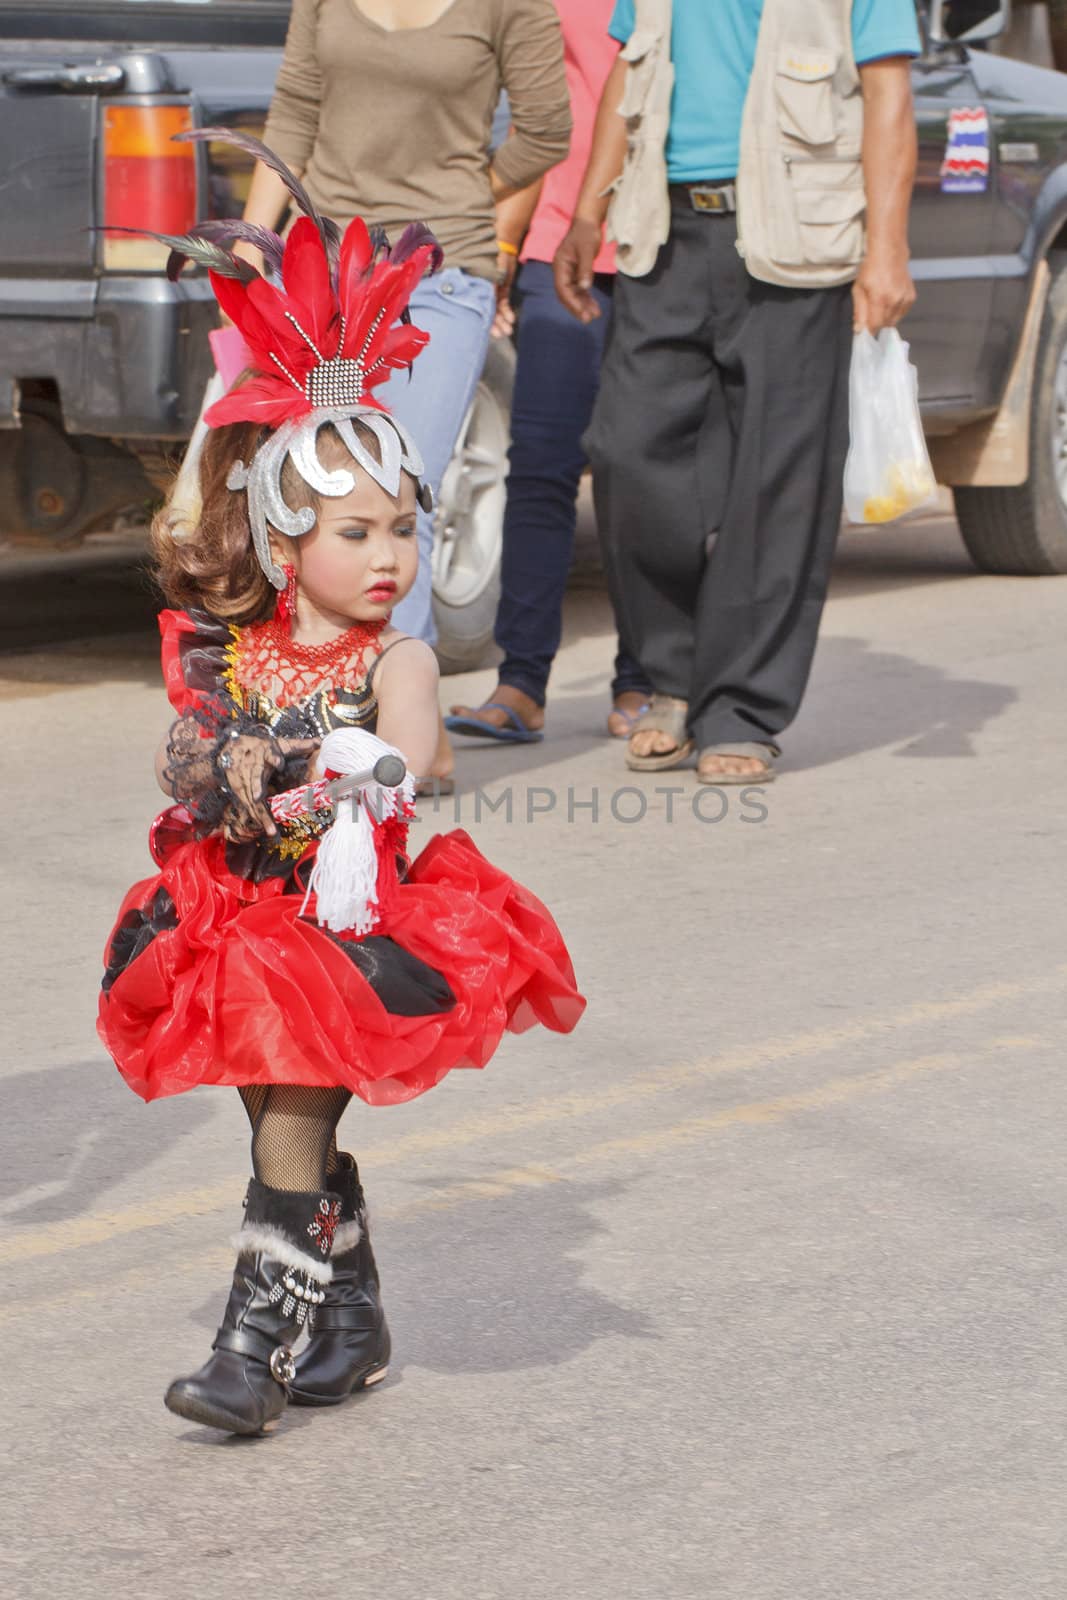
(48, 155)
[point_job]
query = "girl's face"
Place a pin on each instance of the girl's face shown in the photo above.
(361, 556)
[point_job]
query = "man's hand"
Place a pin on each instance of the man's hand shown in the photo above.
(883, 293)
(572, 268)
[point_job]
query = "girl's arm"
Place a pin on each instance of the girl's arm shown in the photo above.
(529, 50)
(406, 687)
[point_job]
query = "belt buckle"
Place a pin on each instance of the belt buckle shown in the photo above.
(714, 201)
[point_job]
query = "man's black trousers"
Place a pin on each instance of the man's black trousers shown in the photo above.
(718, 445)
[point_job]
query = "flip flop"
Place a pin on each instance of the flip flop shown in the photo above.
(518, 733)
(629, 717)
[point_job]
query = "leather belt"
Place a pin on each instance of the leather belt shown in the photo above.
(711, 199)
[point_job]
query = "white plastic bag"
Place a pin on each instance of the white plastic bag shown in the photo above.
(888, 471)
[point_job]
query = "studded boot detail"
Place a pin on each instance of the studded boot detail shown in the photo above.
(349, 1346)
(280, 1281)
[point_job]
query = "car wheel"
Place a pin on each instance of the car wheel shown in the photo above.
(1023, 530)
(469, 521)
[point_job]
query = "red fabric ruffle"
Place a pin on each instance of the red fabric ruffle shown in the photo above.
(246, 990)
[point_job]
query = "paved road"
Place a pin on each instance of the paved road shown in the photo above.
(751, 1289)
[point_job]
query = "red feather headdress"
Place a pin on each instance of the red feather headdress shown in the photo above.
(327, 327)
(335, 328)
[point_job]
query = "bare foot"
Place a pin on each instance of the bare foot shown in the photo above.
(529, 713)
(651, 742)
(627, 707)
(715, 768)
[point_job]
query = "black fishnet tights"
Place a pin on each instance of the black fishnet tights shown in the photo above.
(294, 1134)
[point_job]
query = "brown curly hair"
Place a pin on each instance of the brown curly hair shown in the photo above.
(215, 567)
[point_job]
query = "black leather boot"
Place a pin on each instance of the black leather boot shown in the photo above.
(283, 1269)
(349, 1344)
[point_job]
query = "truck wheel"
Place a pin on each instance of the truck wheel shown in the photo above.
(469, 522)
(56, 487)
(1023, 530)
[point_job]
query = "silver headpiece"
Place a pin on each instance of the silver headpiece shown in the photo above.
(298, 441)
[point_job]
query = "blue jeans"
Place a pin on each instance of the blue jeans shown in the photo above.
(555, 385)
(457, 311)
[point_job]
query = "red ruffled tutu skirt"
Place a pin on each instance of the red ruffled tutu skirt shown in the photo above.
(214, 978)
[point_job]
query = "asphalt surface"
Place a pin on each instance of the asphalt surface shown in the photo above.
(752, 1288)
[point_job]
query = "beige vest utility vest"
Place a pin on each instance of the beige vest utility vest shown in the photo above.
(800, 193)
(800, 196)
(639, 218)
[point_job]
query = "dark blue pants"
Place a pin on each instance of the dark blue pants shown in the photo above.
(555, 386)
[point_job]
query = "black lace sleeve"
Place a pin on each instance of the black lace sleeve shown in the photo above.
(222, 764)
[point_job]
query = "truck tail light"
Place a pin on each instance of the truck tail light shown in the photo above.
(149, 182)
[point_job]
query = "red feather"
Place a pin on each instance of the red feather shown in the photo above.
(261, 400)
(371, 295)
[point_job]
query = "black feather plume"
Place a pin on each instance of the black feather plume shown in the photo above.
(259, 151)
(225, 232)
(413, 238)
(189, 247)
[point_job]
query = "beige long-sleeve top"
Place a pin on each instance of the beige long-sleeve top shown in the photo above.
(394, 126)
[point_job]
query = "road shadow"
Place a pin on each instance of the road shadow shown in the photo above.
(860, 699)
(863, 699)
(69, 1134)
(501, 1284)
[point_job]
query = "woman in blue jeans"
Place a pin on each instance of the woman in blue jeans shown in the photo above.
(555, 385)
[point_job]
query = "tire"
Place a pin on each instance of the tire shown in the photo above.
(469, 521)
(1022, 531)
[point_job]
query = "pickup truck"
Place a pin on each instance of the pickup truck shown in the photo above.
(103, 363)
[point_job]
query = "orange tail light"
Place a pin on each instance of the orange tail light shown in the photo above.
(149, 182)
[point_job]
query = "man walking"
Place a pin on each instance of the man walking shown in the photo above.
(767, 152)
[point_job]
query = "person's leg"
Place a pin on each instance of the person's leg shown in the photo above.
(785, 356)
(657, 384)
(292, 1134)
(432, 400)
(349, 1347)
(555, 386)
(283, 1262)
(556, 378)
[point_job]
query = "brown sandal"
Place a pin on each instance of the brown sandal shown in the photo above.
(763, 753)
(666, 715)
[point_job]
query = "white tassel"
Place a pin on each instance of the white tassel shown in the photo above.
(344, 878)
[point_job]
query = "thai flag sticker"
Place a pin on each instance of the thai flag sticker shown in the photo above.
(965, 169)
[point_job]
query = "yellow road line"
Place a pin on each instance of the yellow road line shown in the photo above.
(757, 1113)
(100, 1227)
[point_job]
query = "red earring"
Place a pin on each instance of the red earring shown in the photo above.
(285, 609)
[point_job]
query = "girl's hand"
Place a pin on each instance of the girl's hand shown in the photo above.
(245, 762)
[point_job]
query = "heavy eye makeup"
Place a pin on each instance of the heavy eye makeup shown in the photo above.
(404, 530)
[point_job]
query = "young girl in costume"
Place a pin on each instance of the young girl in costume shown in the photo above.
(286, 946)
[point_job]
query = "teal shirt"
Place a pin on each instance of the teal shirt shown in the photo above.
(713, 47)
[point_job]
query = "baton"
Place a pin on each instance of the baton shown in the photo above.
(388, 770)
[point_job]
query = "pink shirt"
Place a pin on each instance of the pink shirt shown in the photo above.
(589, 54)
